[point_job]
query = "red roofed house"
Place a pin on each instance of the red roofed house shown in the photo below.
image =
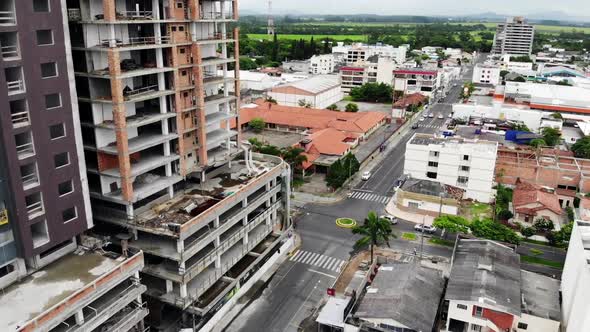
(400, 106)
(531, 202)
(303, 120)
(324, 147)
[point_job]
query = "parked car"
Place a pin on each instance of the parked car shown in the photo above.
(422, 119)
(366, 176)
(430, 115)
(450, 115)
(415, 126)
(393, 220)
(440, 116)
(425, 229)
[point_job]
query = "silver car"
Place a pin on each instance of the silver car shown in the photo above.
(393, 220)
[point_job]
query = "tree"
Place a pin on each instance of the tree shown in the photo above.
(581, 148)
(551, 136)
(336, 175)
(257, 124)
(373, 92)
(452, 224)
(333, 107)
(351, 107)
(521, 127)
(304, 103)
(274, 55)
(570, 213)
(505, 215)
(247, 64)
(519, 79)
(523, 58)
(293, 156)
(537, 142)
(373, 231)
(489, 229)
(563, 235)
(271, 100)
(543, 225)
(351, 164)
(527, 232)
(503, 73)
(557, 115)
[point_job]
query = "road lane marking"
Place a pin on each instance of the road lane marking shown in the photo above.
(322, 273)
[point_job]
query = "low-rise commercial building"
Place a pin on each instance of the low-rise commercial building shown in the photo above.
(322, 64)
(376, 69)
(428, 197)
(464, 163)
(575, 279)
(316, 92)
(416, 80)
(487, 291)
(361, 52)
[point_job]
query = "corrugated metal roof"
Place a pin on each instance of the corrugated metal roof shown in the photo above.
(316, 84)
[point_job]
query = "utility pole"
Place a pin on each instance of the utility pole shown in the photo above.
(422, 238)
(270, 29)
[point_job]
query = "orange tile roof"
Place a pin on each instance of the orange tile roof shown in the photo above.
(359, 123)
(528, 193)
(413, 99)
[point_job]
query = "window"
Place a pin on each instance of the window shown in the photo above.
(57, 131)
(44, 37)
(61, 159)
(65, 188)
(49, 70)
(182, 51)
(523, 326)
(475, 328)
(432, 164)
(184, 72)
(180, 28)
(478, 311)
(434, 153)
(69, 214)
(413, 205)
(462, 306)
(52, 101)
(41, 6)
(465, 168)
(431, 175)
(462, 180)
(465, 157)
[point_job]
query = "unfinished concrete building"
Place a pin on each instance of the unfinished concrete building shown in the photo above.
(551, 169)
(164, 166)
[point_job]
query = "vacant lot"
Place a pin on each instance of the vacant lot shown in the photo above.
(279, 139)
(308, 37)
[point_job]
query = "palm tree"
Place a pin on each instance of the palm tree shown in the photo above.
(374, 230)
(293, 156)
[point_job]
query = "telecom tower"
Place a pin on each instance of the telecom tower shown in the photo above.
(271, 22)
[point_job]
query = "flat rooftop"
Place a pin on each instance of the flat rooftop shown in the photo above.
(429, 139)
(37, 293)
(469, 133)
(200, 197)
(540, 295)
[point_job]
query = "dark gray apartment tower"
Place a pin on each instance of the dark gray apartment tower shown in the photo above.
(44, 201)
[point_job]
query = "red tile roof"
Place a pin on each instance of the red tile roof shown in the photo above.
(413, 99)
(327, 141)
(359, 123)
(528, 193)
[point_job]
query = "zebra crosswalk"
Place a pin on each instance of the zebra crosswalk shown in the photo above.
(432, 126)
(367, 196)
(318, 260)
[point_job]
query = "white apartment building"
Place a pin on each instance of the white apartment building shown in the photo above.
(375, 70)
(514, 37)
(575, 308)
(321, 64)
(455, 161)
(486, 74)
(412, 80)
(362, 52)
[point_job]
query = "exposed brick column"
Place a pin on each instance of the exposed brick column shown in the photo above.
(194, 7)
(178, 109)
(237, 81)
(120, 119)
(109, 10)
(200, 96)
(235, 9)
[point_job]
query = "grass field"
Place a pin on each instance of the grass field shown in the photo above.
(540, 261)
(490, 25)
(308, 37)
(442, 242)
(409, 236)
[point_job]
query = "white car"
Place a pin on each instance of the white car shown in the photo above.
(430, 115)
(393, 220)
(450, 116)
(366, 176)
(425, 229)
(422, 119)
(440, 116)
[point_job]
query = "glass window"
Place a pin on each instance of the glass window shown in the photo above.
(41, 6)
(44, 37)
(48, 70)
(57, 131)
(52, 101)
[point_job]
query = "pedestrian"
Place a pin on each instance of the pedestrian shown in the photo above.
(414, 251)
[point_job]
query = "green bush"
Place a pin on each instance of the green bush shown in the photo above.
(505, 215)
(489, 229)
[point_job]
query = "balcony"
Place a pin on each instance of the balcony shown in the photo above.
(9, 46)
(214, 37)
(34, 204)
(29, 177)
(24, 145)
(19, 113)
(134, 41)
(7, 13)
(14, 80)
(216, 137)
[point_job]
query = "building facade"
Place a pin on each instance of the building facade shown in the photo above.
(486, 74)
(321, 64)
(467, 164)
(316, 92)
(574, 280)
(45, 201)
(514, 37)
(416, 80)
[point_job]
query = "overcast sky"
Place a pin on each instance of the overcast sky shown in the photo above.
(422, 7)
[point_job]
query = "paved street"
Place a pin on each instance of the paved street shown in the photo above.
(294, 291)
